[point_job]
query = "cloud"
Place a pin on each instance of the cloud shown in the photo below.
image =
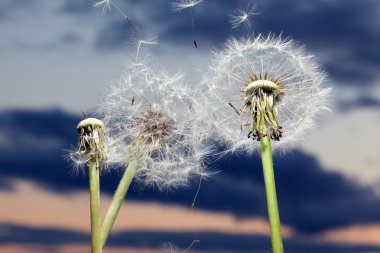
(305, 189)
(74, 7)
(343, 34)
(360, 102)
(210, 241)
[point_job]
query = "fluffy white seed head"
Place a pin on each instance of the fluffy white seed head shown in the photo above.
(180, 5)
(244, 16)
(152, 120)
(263, 79)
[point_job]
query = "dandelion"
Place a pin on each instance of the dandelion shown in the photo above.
(179, 5)
(152, 120)
(244, 16)
(264, 88)
(92, 150)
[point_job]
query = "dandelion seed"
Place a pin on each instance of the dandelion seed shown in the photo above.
(171, 248)
(106, 6)
(196, 193)
(179, 5)
(264, 86)
(244, 16)
(139, 41)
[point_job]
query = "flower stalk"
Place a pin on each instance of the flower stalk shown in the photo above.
(270, 189)
(117, 201)
(135, 156)
(95, 205)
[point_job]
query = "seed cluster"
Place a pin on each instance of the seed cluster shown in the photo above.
(154, 127)
(262, 95)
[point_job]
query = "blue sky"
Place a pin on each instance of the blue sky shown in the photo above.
(57, 57)
(64, 54)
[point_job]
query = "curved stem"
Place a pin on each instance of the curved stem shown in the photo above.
(117, 200)
(270, 188)
(95, 206)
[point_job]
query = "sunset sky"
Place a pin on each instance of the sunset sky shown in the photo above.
(57, 57)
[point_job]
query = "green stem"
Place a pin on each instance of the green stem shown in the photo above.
(117, 200)
(95, 206)
(270, 188)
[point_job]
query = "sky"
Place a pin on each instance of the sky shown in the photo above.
(57, 57)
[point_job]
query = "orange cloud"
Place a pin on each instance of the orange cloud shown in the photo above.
(32, 206)
(356, 234)
(70, 248)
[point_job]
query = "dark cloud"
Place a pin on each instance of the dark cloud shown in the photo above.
(360, 102)
(209, 241)
(70, 39)
(6, 185)
(210, 27)
(75, 7)
(343, 30)
(311, 199)
(114, 36)
(342, 33)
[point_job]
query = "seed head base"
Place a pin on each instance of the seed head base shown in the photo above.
(261, 97)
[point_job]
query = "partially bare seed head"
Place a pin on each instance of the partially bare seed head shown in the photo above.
(91, 144)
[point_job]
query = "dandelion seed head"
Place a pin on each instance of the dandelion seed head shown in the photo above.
(180, 5)
(150, 109)
(91, 144)
(244, 16)
(263, 86)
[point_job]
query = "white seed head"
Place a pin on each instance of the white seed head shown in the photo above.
(151, 110)
(262, 86)
(244, 16)
(180, 5)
